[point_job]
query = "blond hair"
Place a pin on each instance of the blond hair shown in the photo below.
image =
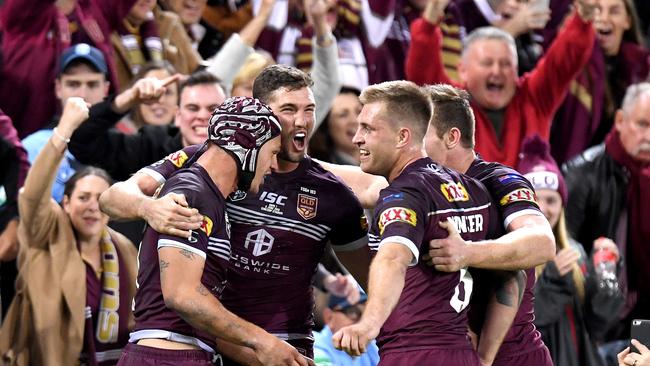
(253, 66)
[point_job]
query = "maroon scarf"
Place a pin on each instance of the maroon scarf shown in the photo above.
(638, 205)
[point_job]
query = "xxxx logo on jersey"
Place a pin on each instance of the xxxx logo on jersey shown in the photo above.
(454, 192)
(178, 158)
(518, 195)
(206, 225)
(396, 214)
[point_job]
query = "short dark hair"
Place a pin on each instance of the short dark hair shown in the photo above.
(451, 109)
(199, 77)
(404, 101)
(274, 77)
(71, 183)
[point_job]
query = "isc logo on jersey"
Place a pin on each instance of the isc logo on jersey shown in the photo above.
(519, 195)
(178, 158)
(454, 192)
(396, 214)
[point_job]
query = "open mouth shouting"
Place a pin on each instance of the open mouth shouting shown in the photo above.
(299, 140)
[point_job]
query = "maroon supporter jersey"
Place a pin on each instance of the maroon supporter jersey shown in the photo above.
(431, 313)
(211, 241)
(278, 237)
(514, 196)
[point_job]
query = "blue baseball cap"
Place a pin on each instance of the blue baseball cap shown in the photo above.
(86, 52)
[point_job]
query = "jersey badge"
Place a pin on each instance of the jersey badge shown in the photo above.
(307, 206)
(178, 158)
(519, 195)
(206, 225)
(454, 192)
(396, 214)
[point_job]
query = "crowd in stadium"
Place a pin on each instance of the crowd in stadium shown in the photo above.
(325, 182)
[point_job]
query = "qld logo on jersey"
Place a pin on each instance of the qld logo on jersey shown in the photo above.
(396, 214)
(178, 158)
(519, 195)
(307, 206)
(454, 192)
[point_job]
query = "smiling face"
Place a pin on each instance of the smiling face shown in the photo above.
(196, 106)
(139, 11)
(376, 140)
(342, 122)
(82, 206)
(612, 20)
(296, 111)
(633, 126)
(489, 70)
(162, 111)
(550, 203)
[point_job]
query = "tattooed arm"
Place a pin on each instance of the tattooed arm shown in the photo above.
(502, 306)
(180, 278)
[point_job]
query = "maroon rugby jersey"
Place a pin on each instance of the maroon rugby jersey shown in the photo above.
(278, 238)
(432, 309)
(513, 196)
(211, 241)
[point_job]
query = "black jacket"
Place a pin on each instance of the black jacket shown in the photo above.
(597, 187)
(95, 142)
(556, 298)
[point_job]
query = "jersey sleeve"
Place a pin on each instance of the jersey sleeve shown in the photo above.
(351, 228)
(514, 196)
(165, 167)
(400, 217)
(198, 241)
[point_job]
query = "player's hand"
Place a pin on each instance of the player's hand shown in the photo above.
(275, 352)
(627, 358)
(75, 111)
(448, 254)
(172, 215)
(354, 339)
(564, 260)
(343, 286)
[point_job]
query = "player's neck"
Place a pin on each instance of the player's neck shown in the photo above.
(460, 160)
(221, 167)
(286, 166)
(405, 158)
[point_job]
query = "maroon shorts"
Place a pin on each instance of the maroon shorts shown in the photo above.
(304, 346)
(538, 357)
(431, 357)
(136, 355)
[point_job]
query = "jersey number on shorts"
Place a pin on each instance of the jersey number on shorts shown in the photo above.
(462, 291)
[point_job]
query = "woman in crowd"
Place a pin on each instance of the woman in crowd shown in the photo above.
(162, 111)
(76, 276)
(619, 59)
(573, 306)
(332, 142)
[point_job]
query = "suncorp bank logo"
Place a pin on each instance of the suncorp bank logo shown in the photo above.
(261, 241)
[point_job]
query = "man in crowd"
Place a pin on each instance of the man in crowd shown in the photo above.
(609, 191)
(279, 234)
(121, 154)
(507, 108)
(419, 313)
(338, 314)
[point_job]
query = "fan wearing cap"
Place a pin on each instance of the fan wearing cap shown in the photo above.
(177, 308)
(340, 313)
(572, 311)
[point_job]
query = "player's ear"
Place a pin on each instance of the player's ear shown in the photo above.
(452, 138)
(403, 137)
